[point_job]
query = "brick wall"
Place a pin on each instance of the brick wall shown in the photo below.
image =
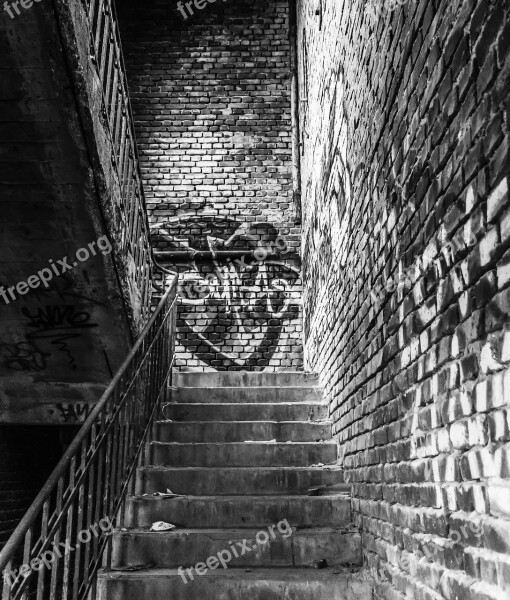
(211, 101)
(406, 269)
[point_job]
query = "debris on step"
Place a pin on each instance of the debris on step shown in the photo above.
(167, 494)
(314, 491)
(139, 567)
(162, 526)
(321, 564)
(318, 465)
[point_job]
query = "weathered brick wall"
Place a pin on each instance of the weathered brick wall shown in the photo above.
(406, 269)
(211, 101)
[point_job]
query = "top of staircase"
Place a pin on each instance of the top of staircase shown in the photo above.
(245, 379)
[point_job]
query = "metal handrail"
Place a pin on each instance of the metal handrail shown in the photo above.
(89, 486)
(129, 214)
(108, 57)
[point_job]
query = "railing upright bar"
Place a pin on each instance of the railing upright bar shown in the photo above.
(69, 532)
(112, 100)
(103, 49)
(6, 584)
(117, 460)
(107, 81)
(93, 6)
(92, 493)
(44, 531)
(26, 557)
(79, 521)
(56, 538)
(98, 22)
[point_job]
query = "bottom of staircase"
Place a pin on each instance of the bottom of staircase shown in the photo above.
(253, 471)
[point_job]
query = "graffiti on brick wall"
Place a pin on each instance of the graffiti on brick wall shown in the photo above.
(239, 286)
(330, 231)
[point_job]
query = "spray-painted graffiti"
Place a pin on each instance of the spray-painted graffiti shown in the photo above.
(23, 356)
(328, 229)
(59, 324)
(73, 412)
(55, 316)
(239, 285)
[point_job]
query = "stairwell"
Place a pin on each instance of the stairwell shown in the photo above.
(252, 460)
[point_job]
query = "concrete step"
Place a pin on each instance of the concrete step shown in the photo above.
(257, 481)
(218, 512)
(240, 431)
(279, 547)
(246, 379)
(284, 411)
(233, 395)
(236, 584)
(243, 454)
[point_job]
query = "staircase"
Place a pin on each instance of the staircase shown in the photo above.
(252, 461)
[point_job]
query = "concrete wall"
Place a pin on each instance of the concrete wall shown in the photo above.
(61, 339)
(211, 100)
(406, 237)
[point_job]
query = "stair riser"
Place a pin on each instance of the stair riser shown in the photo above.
(241, 395)
(242, 431)
(245, 412)
(300, 549)
(250, 481)
(228, 588)
(243, 512)
(245, 379)
(243, 455)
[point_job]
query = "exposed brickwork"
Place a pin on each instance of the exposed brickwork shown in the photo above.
(405, 131)
(211, 101)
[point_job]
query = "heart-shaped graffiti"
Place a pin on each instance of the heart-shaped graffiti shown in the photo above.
(239, 285)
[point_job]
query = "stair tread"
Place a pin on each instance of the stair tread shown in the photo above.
(250, 443)
(233, 530)
(245, 394)
(284, 379)
(272, 422)
(244, 387)
(233, 468)
(226, 498)
(300, 403)
(266, 573)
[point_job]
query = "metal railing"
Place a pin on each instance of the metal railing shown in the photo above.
(130, 213)
(65, 537)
